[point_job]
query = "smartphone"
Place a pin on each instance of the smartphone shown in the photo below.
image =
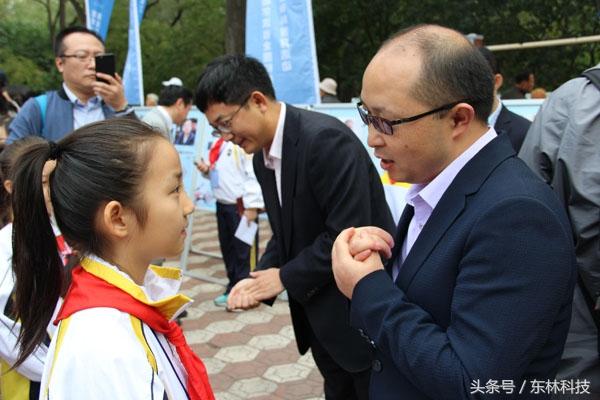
(105, 63)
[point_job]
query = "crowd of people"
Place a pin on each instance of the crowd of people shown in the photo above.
(490, 279)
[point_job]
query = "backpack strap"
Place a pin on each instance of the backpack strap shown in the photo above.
(594, 76)
(42, 101)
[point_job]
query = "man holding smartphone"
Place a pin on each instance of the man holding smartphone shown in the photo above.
(83, 97)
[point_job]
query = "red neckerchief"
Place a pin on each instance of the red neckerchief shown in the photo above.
(64, 250)
(88, 291)
(215, 150)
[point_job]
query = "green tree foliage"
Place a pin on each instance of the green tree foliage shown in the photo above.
(349, 32)
(179, 36)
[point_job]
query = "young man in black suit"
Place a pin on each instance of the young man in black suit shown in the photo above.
(501, 118)
(317, 179)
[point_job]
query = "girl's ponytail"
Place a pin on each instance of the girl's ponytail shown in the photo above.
(37, 266)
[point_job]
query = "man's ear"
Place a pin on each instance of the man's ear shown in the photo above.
(179, 102)
(7, 185)
(115, 220)
(58, 61)
(462, 117)
(498, 81)
(260, 100)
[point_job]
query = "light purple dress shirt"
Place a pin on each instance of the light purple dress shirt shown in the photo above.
(424, 198)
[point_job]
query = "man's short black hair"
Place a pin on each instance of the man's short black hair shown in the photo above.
(491, 59)
(170, 94)
(522, 76)
(231, 79)
(60, 37)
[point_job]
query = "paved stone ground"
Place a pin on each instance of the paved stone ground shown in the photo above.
(250, 354)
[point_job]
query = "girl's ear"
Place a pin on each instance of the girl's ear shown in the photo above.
(116, 220)
(7, 185)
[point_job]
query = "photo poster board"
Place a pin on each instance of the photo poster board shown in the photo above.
(347, 113)
(525, 108)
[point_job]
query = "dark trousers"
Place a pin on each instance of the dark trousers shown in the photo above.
(339, 384)
(236, 254)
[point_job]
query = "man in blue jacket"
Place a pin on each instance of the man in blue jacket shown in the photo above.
(81, 100)
(476, 299)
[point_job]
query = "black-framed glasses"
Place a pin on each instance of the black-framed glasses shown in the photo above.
(386, 126)
(82, 56)
(224, 127)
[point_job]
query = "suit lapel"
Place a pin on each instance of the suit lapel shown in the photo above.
(452, 204)
(268, 185)
(288, 172)
(502, 121)
(447, 210)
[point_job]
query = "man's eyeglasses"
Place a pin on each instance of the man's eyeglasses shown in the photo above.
(386, 126)
(224, 127)
(81, 56)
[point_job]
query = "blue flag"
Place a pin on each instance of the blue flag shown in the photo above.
(98, 13)
(280, 34)
(132, 75)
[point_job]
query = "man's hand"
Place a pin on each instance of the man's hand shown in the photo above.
(348, 271)
(249, 292)
(112, 92)
(267, 284)
(251, 214)
(370, 239)
(202, 166)
(240, 298)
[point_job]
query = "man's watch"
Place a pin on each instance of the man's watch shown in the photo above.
(125, 109)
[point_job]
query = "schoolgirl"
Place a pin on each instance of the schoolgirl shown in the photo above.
(117, 196)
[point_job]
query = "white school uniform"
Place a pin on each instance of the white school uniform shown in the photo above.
(33, 366)
(104, 353)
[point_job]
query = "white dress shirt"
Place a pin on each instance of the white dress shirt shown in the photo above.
(273, 158)
(87, 113)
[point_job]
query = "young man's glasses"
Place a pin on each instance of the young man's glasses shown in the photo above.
(81, 56)
(224, 126)
(386, 126)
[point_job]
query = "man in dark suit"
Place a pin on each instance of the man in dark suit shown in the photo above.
(476, 298)
(317, 179)
(501, 118)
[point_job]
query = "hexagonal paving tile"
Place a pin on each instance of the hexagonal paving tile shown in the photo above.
(213, 365)
(267, 342)
(254, 317)
(198, 336)
(253, 387)
(209, 306)
(194, 312)
(287, 372)
(237, 353)
(226, 396)
(288, 332)
(225, 326)
(307, 360)
(278, 308)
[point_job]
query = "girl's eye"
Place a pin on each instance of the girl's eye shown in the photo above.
(177, 189)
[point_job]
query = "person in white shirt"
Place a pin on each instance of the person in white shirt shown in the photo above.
(238, 193)
(174, 104)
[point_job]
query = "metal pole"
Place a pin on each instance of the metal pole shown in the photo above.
(544, 43)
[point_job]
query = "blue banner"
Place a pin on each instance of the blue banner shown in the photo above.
(98, 13)
(280, 34)
(132, 75)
